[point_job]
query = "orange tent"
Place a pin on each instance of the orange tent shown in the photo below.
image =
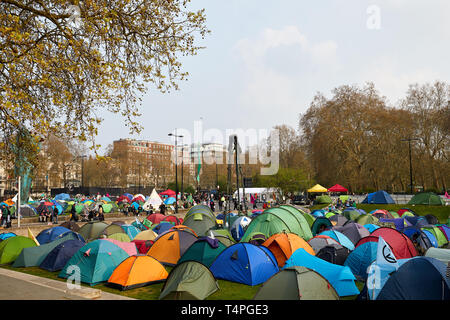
(283, 245)
(137, 271)
(183, 227)
(171, 245)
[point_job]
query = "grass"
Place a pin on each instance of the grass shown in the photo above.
(442, 213)
(227, 290)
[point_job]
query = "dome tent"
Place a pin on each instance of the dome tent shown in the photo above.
(189, 280)
(282, 245)
(204, 250)
(58, 257)
(379, 197)
(427, 198)
(276, 220)
(297, 283)
(245, 263)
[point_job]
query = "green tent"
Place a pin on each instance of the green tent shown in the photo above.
(395, 215)
(329, 214)
(344, 198)
(111, 229)
(440, 237)
(200, 222)
(189, 280)
(200, 209)
(351, 214)
(11, 248)
(96, 262)
(202, 251)
(309, 217)
(33, 256)
(123, 237)
(323, 199)
(319, 223)
(367, 219)
(296, 283)
(107, 207)
(92, 230)
(277, 219)
(427, 198)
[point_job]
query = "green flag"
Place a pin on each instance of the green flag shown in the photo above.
(199, 165)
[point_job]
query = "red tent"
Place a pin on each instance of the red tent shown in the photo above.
(337, 188)
(168, 192)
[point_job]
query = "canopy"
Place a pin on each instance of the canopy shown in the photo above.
(337, 188)
(168, 192)
(317, 188)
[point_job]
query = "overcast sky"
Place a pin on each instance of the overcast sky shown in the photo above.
(265, 60)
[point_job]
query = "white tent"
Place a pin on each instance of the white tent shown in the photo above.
(154, 199)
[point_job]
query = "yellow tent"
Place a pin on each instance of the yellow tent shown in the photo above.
(317, 188)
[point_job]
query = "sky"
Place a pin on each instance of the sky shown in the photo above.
(264, 62)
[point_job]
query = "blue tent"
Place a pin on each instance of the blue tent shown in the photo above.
(432, 238)
(420, 278)
(130, 230)
(361, 258)
(169, 201)
(162, 227)
(371, 227)
(62, 196)
(48, 235)
(245, 263)
(399, 223)
(58, 257)
(7, 235)
(416, 221)
(340, 277)
(379, 197)
(339, 237)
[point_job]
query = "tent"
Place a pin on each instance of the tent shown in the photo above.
(62, 196)
(317, 188)
(169, 201)
(340, 277)
(420, 278)
(320, 241)
(441, 254)
(128, 247)
(282, 245)
(6, 235)
(130, 230)
(353, 231)
(156, 218)
(324, 199)
(33, 256)
(366, 219)
(381, 214)
(170, 246)
(50, 234)
(57, 258)
(200, 221)
(154, 200)
(123, 237)
(338, 220)
(96, 261)
(204, 250)
(334, 254)
(379, 197)
(173, 219)
(137, 271)
(146, 235)
(437, 233)
(111, 229)
(11, 248)
(142, 246)
(276, 220)
(92, 230)
(320, 224)
(337, 188)
(427, 198)
(361, 258)
(399, 223)
(162, 227)
(239, 226)
(401, 246)
(223, 235)
(245, 263)
(296, 283)
(189, 280)
(351, 214)
(339, 237)
(419, 238)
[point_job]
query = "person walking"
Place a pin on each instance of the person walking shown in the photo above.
(73, 214)
(54, 217)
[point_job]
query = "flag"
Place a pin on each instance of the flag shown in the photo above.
(199, 165)
(32, 237)
(385, 256)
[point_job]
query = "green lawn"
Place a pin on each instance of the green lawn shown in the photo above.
(441, 212)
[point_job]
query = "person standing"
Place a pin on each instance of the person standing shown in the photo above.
(55, 215)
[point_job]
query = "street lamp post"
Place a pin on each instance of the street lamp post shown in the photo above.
(410, 162)
(176, 168)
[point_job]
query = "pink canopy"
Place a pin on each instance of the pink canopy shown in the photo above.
(337, 188)
(128, 247)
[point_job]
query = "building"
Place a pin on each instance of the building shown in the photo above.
(146, 163)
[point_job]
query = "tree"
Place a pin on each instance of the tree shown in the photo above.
(62, 64)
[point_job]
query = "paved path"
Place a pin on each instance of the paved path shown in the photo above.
(21, 286)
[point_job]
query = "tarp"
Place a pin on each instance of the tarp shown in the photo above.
(317, 188)
(340, 277)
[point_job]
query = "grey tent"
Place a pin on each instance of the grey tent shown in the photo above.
(353, 231)
(296, 283)
(189, 280)
(439, 253)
